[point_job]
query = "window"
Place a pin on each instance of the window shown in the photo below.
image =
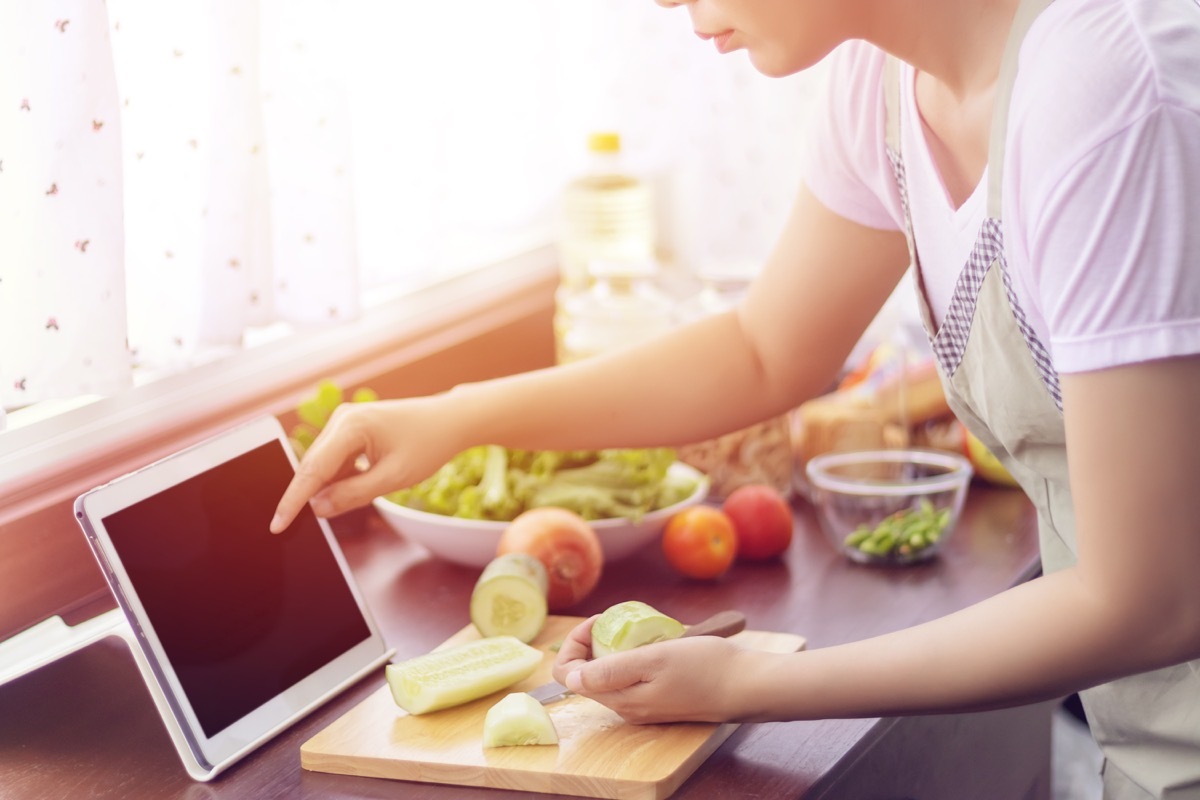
(179, 183)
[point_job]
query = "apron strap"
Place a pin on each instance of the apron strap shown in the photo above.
(1027, 12)
(891, 102)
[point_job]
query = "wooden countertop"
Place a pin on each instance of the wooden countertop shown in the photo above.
(86, 726)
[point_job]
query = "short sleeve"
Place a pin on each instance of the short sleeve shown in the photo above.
(1103, 196)
(1115, 252)
(845, 163)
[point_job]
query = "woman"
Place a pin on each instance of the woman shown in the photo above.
(1052, 149)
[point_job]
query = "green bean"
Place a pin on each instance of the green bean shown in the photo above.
(858, 536)
(906, 532)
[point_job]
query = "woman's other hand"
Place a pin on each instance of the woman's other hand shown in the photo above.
(681, 680)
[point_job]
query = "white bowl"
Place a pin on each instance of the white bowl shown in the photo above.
(473, 541)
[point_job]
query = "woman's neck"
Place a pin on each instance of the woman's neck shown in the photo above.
(956, 47)
(958, 43)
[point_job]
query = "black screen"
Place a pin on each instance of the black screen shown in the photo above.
(243, 614)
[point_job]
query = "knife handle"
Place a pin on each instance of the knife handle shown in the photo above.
(723, 623)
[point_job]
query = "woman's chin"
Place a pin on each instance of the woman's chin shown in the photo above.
(776, 65)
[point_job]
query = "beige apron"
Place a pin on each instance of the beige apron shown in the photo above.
(1001, 384)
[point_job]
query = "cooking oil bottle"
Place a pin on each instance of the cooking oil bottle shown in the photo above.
(607, 216)
(623, 304)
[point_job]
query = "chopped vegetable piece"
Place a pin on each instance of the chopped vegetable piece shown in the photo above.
(510, 597)
(631, 624)
(461, 673)
(518, 719)
(905, 535)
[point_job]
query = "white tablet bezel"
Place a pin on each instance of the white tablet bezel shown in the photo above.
(203, 756)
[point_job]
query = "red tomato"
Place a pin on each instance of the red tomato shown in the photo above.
(762, 520)
(565, 544)
(700, 542)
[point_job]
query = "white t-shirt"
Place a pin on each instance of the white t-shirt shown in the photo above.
(1101, 192)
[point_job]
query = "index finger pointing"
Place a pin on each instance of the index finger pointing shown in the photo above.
(317, 469)
(299, 491)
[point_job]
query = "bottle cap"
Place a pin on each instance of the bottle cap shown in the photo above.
(604, 142)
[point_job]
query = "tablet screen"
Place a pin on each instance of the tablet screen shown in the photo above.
(242, 614)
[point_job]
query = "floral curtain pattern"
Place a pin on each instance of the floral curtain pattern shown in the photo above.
(62, 289)
(173, 175)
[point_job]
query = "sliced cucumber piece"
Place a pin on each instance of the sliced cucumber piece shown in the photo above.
(518, 719)
(509, 598)
(631, 624)
(459, 674)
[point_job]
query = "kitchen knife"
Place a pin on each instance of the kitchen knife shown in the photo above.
(723, 623)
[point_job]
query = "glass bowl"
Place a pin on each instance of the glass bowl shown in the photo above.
(888, 506)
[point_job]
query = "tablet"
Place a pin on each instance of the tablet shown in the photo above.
(239, 632)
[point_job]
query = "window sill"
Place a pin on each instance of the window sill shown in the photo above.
(491, 322)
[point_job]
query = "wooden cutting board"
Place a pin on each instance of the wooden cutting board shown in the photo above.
(598, 754)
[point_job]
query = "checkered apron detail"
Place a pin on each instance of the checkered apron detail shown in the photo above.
(950, 340)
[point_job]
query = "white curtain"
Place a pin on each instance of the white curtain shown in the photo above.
(62, 247)
(173, 175)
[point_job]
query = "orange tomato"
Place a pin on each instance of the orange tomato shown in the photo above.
(700, 542)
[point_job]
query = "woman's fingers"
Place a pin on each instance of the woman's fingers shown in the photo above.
(355, 489)
(575, 650)
(614, 673)
(330, 457)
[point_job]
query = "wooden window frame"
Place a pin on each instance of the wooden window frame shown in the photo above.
(492, 322)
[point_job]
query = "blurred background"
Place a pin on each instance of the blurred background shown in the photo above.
(184, 180)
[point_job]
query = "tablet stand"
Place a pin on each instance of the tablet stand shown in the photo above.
(52, 639)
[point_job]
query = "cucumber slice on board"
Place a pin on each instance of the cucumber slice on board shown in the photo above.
(460, 674)
(518, 719)
(631, 624)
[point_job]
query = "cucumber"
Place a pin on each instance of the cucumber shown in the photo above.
(509, 599)
(631, 624)
(518, 719)
(461, 673)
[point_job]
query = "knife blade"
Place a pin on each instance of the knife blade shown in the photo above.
(723, 623)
